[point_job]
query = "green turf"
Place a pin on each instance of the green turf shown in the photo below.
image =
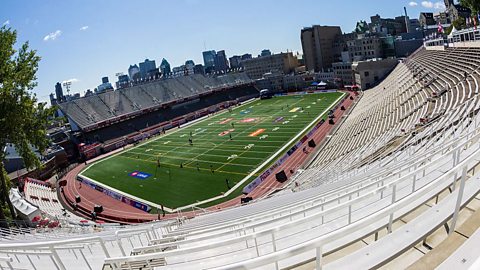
(232, 159)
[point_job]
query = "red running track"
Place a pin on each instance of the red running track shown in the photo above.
(115, 211)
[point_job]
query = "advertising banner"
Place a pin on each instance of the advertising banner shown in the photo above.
(117, 196)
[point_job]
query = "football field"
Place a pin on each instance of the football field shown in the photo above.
(206, 159)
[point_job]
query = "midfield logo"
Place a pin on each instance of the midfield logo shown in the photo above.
(140, 175)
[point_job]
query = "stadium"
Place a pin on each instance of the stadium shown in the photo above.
(374, 188)
(211, 171)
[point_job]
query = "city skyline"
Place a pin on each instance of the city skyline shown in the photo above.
(83, 42)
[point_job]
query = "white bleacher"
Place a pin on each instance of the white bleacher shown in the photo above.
(47, 201)
(378, 167)
(465, 257)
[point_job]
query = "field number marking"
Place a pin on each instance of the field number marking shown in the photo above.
(232, 157)
(250, 146)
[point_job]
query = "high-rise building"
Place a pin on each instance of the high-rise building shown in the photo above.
(53, 101)
(414, 25)
(59, 93)
(105, 86)
(441, 18)
(343, 73)
(134, 72)
(387, 26)
(104, 79)
(122, 81)
(189, 67)
(199, 69)
(318, 43)
(400, 25)
(246, 56)
(165, 67)
(282, 63)
(426, 19)
(146, 67)
(266, 52)
(221, 62)
(365, 47)
(235, 61)
(209, 60)
(179, 71)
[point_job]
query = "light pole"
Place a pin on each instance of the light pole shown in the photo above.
(67, 84)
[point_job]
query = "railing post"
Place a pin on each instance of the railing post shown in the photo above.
(456, 160)
(256, 244)
(57, 258)
(102, 244)
(381, 192)
(318, 258)
(350, 210)
(323, 214)
(394, 198)
(459, 200)
(274, 249)
(119, 243)
(414, 182)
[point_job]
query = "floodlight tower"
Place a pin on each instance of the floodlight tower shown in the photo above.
(67, 86)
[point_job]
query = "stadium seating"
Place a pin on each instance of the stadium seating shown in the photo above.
(104, 106)
(411, 141)
(47, 201)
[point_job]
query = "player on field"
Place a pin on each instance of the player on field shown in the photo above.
(227, 182)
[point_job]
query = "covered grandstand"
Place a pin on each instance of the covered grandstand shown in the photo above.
(113, 114)
(395, 185)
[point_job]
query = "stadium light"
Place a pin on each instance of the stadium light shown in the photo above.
(67, 86)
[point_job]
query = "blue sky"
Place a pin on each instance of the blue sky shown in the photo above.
(83, 40)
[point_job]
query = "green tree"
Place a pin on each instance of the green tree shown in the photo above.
(23, 120)
(459, 25)
(474, 5)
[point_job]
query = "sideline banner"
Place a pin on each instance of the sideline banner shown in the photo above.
(115, 195)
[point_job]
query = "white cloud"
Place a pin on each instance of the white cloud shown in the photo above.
(437, 5)
(7, 22)
(83, 28)
(413, 4)
(427, 4)
(52, 36)
(73, 80)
